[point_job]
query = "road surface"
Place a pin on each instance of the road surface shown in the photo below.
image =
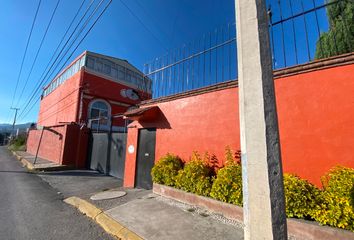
(31, 209)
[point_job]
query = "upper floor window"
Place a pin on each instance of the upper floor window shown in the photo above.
(99, 114)
(116, 70)
(67, 73)
(90, 62)
(99, 109)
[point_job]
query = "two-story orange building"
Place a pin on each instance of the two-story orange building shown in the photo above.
(93, 91)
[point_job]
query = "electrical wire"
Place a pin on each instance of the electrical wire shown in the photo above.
(152, 19)
(25, 53)
(82, 39)
(142, 23)
(45, 73)
(39, 49)
(76, 37)
(62, 39)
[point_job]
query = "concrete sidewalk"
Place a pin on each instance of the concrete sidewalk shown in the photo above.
(139, 214)
(153, 217)
(41, 164)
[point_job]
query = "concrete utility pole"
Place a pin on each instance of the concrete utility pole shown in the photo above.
(13, 125)
(263, 191)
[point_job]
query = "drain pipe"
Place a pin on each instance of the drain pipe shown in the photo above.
(39, 144)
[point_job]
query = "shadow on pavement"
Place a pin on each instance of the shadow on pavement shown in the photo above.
(78, 173)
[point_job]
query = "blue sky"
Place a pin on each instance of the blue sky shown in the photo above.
(170, 23)
(118, 33)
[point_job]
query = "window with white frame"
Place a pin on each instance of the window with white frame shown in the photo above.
(114, 72)
(99, 112)
(69, 72)
(117, 71)
(107, 69)
(121, 73)
(90, 62)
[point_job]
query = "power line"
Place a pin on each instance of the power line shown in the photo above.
(39, 49)
(74, 49)
(47, 115)
(142, 23)
(45, 72)
(62, 39)
(43, 80)
(153, 20)
(76, 37)
(82, 39)
(25, 53)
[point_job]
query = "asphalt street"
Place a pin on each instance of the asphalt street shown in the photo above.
(31, 209)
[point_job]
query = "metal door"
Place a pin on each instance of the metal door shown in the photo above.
(145, 158)
(107, 153)
(117, 155)
(98, 156)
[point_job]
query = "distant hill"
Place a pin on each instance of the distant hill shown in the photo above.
(4, 127)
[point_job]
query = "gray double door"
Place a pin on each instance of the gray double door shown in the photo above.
(107, 153)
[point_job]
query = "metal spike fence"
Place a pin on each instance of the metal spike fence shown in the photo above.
(300, 32)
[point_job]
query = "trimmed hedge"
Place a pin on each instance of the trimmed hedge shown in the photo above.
(196, 177)
(227, 186)
(337, 200)
(333, 205)
(166, 170)
(301, 197)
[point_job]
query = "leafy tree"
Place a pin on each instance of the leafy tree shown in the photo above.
(340, 37)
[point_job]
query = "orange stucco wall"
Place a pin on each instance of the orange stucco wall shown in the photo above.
(67, 146)
(68, 103)
(61, 105)
(316, 123)
(198, 123)
(130, 159)
(51, 144)
(96, 87)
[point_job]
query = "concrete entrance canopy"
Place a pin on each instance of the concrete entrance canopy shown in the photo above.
(143, 114)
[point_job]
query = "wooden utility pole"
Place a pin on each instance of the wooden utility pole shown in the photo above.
(262, 177)
(13, 125)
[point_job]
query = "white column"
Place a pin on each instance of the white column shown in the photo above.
(263, 191)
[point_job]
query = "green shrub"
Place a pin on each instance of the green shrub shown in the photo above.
(301, 197)
(211, 160)
(196, 156)
(339, 180)
(336, 207)
(232, 156)
(196, 177)
(19, 140)
(18, 143)
(166, 170)
(335, 211)
(227, 187)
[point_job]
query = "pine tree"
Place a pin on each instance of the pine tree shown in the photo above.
(340, 37)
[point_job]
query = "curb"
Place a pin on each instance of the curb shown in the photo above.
(31, 167)
(110, 225)
(24, 162)
(297, 228)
